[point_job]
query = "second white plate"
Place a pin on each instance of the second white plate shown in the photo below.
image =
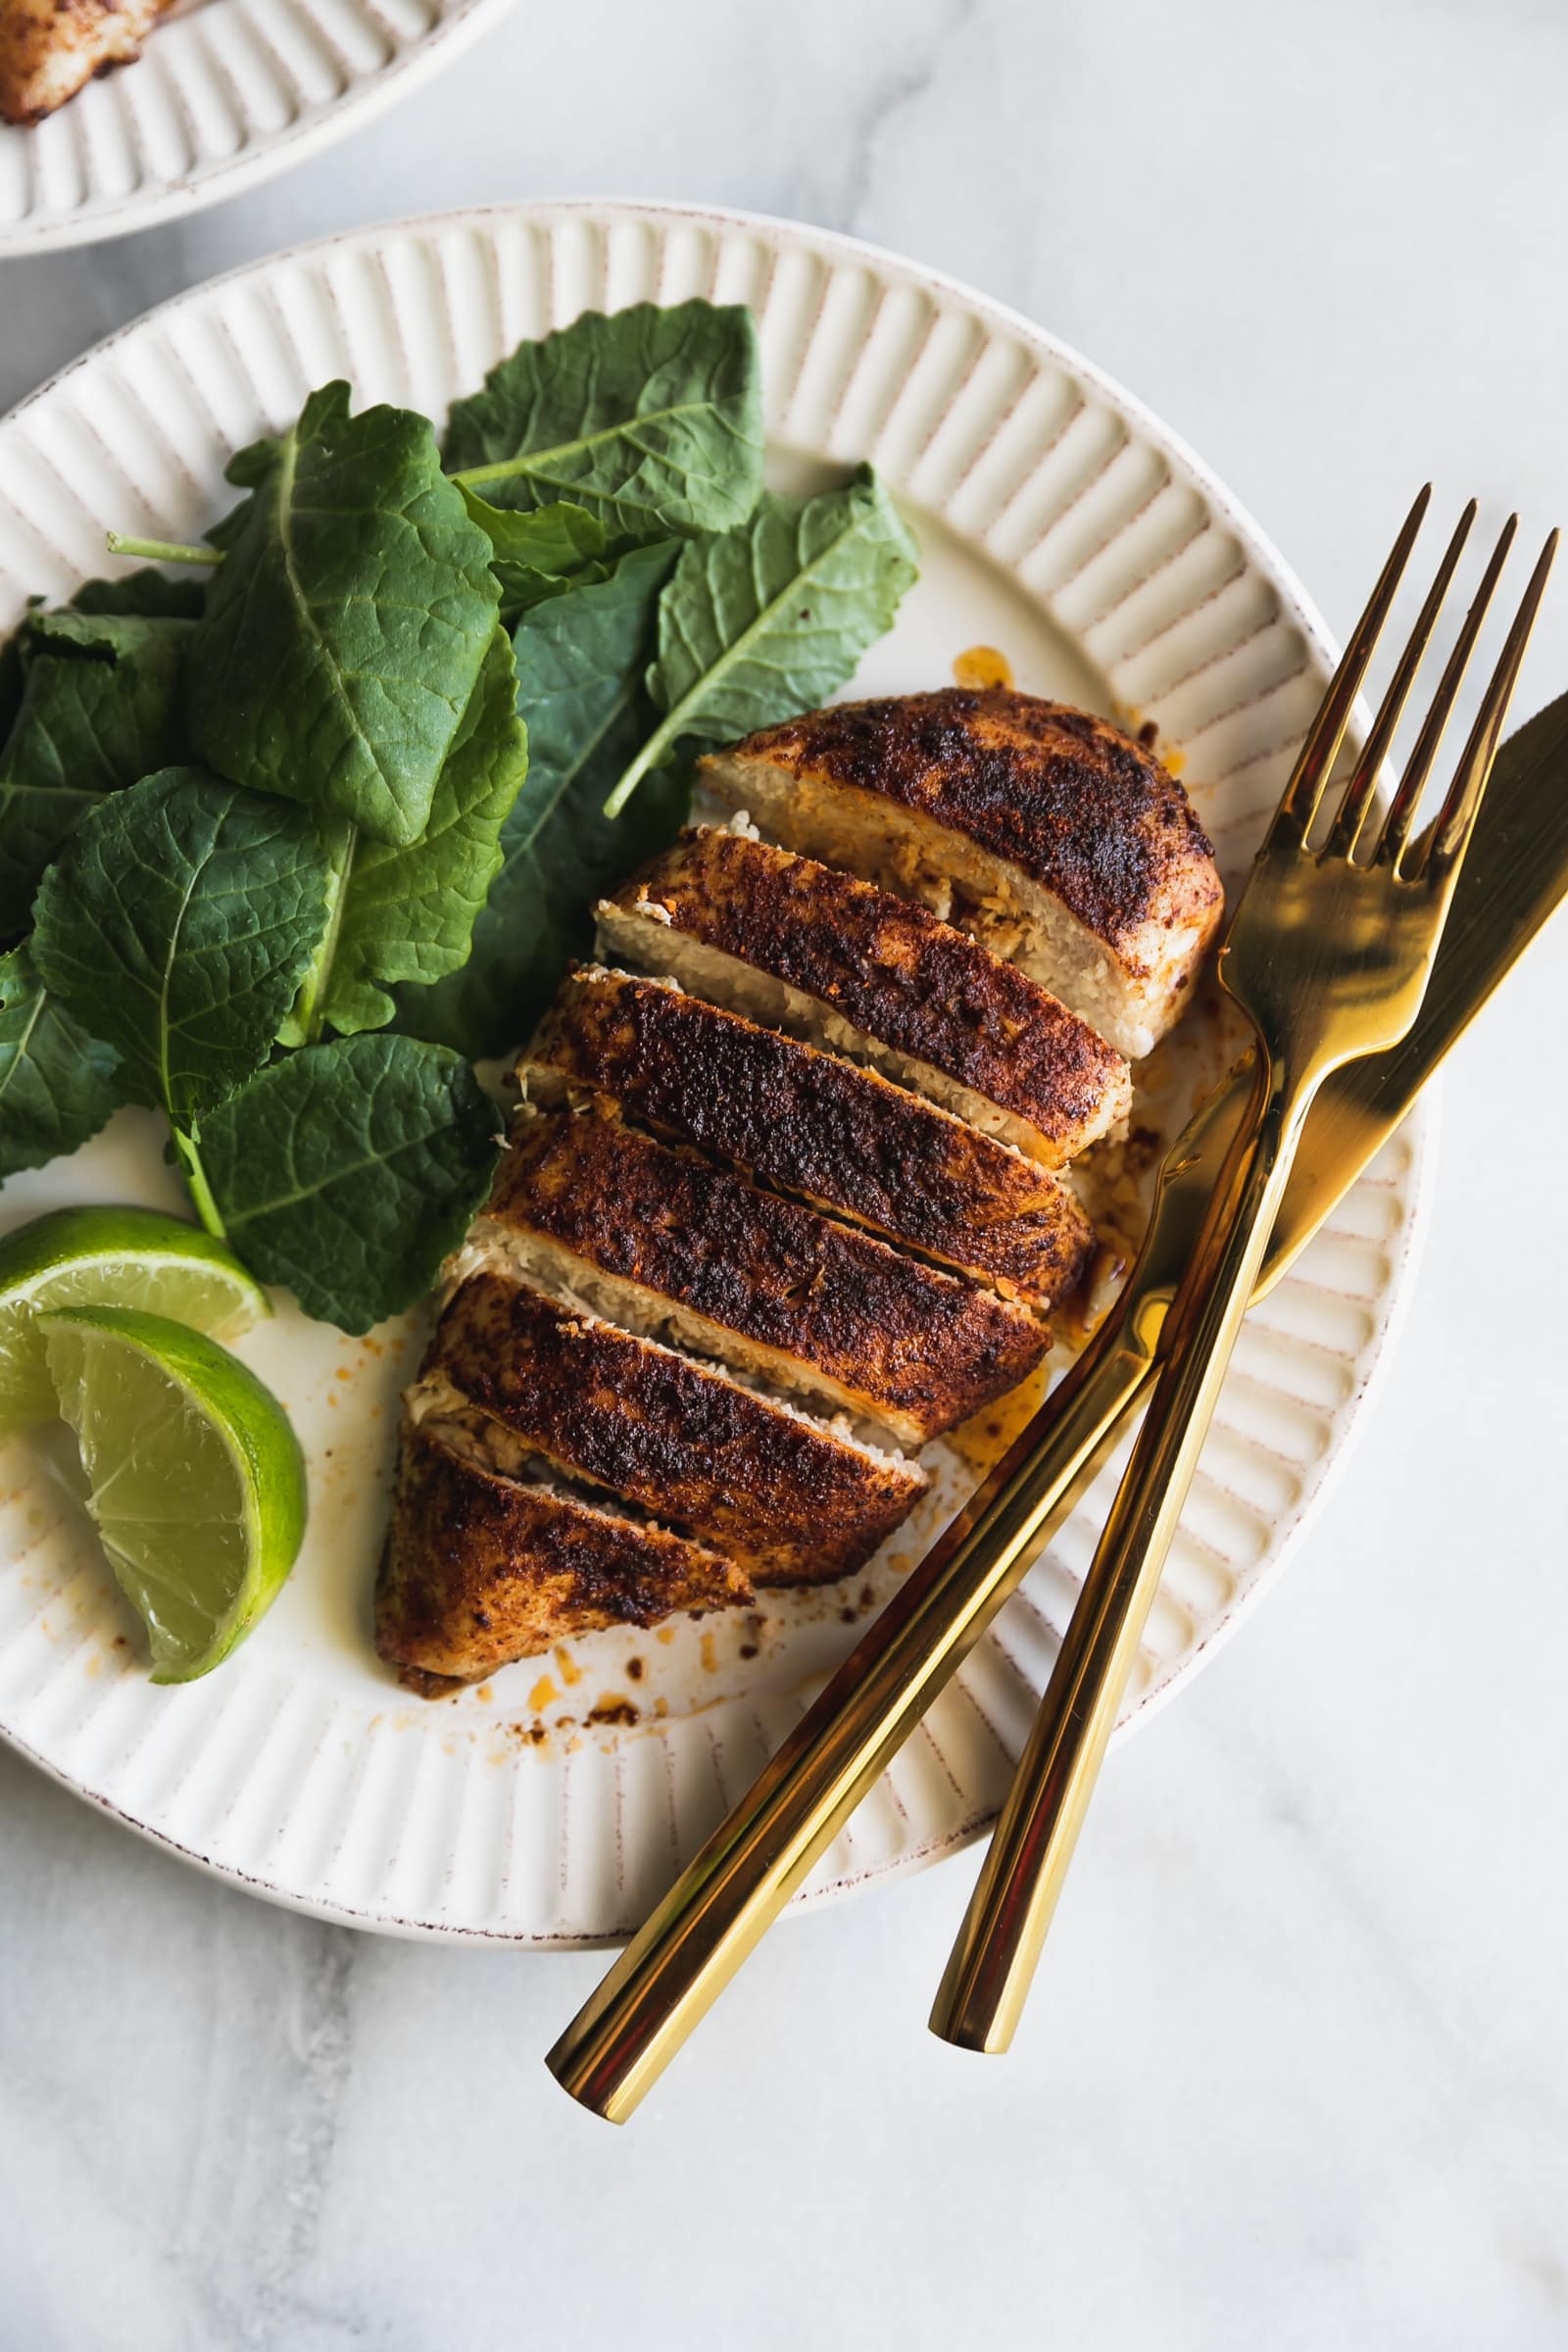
(225, 92)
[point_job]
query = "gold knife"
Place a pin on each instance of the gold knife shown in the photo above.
(727, 1897)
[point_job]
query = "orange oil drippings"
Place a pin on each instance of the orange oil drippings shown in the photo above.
(982, 666)
(986, 1436)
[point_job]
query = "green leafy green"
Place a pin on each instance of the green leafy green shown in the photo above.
(348, 1171)
(56, 1081)
(34, 822)
(580, 660)
(155, 595)
(768, 619)
(540, 554)
(99, 705)
(296, 795)
(10, 682)
(409, 914)
(344, 631)
(118, 676)
(652, 419)
(176, 925)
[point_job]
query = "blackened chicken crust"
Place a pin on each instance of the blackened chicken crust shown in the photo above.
(760, 1282)
(892, 970)
(482, 1569)
(1068, 797)
(785, 1499)
(842, 1138)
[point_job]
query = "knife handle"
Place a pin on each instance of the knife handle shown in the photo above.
(723, 1904)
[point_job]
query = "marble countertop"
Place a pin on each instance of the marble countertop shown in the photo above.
(1297, 2072)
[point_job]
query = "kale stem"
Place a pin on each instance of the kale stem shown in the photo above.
(472, 476)
(308, 1019)
(200, 1192)
(653, 751)
(162, 550)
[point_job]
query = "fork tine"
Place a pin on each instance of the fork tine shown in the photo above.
(1442, 845)
(1418, 766)
(1299, 801)
(1346, 829)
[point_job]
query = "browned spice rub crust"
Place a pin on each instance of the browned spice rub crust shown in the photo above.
(895, 972)
(840, 1136)
(914, 1348)
(482, 1569)
(788, 1501)
(1074, 801)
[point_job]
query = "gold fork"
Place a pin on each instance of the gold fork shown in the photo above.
(1327, 956)
(723, 1904)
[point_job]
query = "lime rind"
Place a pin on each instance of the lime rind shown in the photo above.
(196, 1480)
(88, 1256)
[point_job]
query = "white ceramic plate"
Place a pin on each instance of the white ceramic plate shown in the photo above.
(224, 93)
(1058, 521)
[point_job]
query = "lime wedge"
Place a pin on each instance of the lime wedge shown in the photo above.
(196, 1482)
(108, 1257)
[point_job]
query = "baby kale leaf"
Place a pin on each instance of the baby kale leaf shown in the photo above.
(152, 594)
(409, 914)
(769, 619)
(652, 419)
(540, 554)
(348, 1170)
(580, 660)
(56, 1081)
(99, 705)
(345, 630)
(176, 925)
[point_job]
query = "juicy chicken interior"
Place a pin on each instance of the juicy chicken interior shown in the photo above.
(789, 1498)
(837, 1136)
(790, 1193)
(799, 944)
(1050, 833)
(661, 1240)
(489, 1561)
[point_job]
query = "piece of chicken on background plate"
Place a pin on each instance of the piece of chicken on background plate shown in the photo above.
(50, 48)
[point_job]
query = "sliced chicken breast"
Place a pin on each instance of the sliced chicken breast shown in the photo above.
(838, 1135)
(801, 946)
(661, 1242)
(789, 1499)
(48, 48)
(486, 1562)
(1050, 834)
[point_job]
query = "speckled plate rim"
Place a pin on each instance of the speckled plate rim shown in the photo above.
(265, 154)
(1419, 1132)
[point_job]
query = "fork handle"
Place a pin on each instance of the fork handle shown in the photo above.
(729, 1897)
(993, 1962)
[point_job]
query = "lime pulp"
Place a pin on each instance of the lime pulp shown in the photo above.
(196, 1482)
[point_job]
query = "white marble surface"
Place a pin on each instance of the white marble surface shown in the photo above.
(1296, 2074)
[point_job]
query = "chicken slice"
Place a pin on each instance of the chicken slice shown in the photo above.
(838, 1135)
(1050, 833)
(48, 48)
(660, 1241)
(787, 1498)
(800, 946)
(487, 1562)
